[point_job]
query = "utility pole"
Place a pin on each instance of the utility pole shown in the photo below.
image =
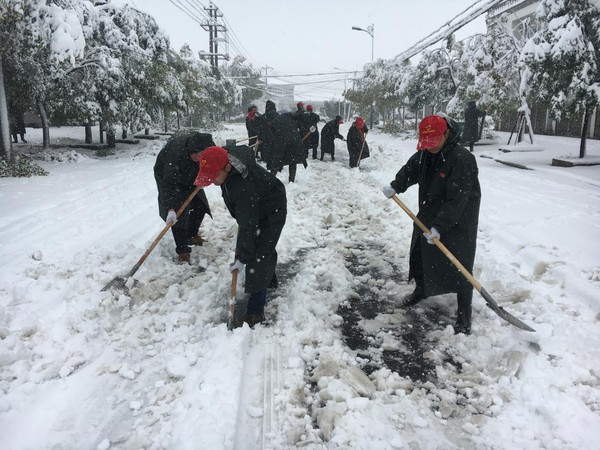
(213, 29)
(266, 69)
(371, 32)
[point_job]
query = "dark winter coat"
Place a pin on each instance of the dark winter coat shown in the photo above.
(449, 197)
(312, 119)
(175, 172)
(18, 124)
(288, 143)
(303, 126)
(470, 131)
(253, 127)
(256, 199)
(330, 131)
(266, 132)
(354, 143)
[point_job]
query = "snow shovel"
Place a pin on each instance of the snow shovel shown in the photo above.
(312, 130)
(489, 301)
(119, 282)
(361, 152)
(246, 139)
(255, 145)
(231, 310)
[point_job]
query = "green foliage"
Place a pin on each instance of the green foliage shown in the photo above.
(22, 167)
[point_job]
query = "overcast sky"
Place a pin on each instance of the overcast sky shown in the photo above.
(311, 36)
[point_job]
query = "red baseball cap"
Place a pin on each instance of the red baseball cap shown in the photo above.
(212, 161)
(309, 107)
(431, 131)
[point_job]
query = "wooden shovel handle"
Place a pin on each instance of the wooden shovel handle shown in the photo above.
(361, 152)
(163, 232)
(234, 277)
(439, 245)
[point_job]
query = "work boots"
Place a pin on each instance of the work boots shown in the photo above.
(463, 313)
(253, 319)
(184, 258)
(196, 240)
(412, 299)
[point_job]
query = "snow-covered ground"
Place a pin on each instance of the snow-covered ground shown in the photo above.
(340, 365)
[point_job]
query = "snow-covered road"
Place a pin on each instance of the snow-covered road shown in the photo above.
(157, 369)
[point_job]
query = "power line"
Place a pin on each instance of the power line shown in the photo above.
(422, 44)
(186, 11)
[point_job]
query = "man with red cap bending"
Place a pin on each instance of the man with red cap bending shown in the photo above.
(256, 199)
(358, 149)
(449, 197)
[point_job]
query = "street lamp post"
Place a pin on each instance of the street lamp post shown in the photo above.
(345, 81)
(371, 32)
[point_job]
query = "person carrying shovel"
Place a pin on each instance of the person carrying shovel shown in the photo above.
(257, 200)
(449, 198)
(358, 149)
(175, 170)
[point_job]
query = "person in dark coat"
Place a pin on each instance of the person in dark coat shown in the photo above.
(18, 127)
(358, 148)
(266, 133)
(449, 198)
(330, 131)
(303, 125)
(288, 149)
(471, 130)
(252, 125)
(175, 171)
(312, 119)
(256, 199)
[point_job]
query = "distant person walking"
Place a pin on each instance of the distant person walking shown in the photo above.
(302, 124)
(266, 133)
(257, 201)
(312, 119)
(175, 171)
(449, 198)
(471, 131)
(329, 133)
(18, 127)
(288, 149)
(358, 149)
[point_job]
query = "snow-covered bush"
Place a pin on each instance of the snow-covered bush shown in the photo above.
(22, 167)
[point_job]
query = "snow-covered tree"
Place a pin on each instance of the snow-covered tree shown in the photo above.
(247, 80)
(36, 38)
(562, 60)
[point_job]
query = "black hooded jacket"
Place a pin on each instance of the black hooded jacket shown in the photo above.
(266, 132)
(288, 143)
(256, 199)
(449, 199)
(330, 131)
(175, 172)
(357, 148)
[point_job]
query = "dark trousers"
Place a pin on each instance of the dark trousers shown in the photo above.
(464, 300)
(14, 136)
(314, 152)
(292, 169)
(187, 226)
(332, 154)
(256, 302)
